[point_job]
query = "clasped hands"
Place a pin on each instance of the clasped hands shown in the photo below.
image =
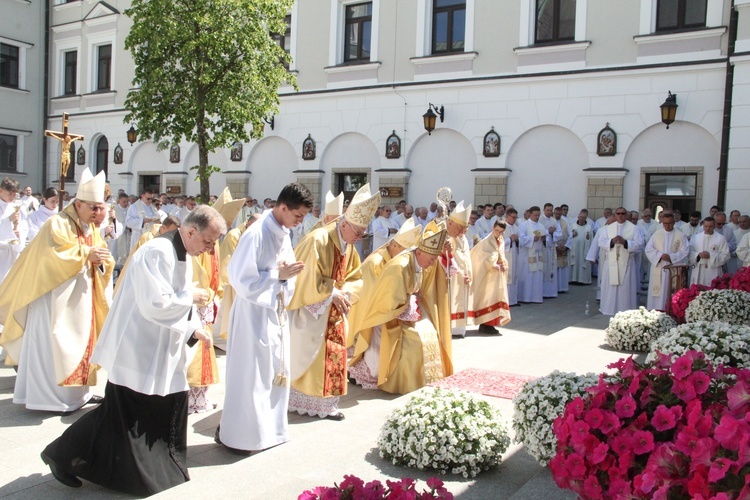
(97, 255)
(290, 270)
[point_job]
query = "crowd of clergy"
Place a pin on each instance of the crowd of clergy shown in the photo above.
(306, 297)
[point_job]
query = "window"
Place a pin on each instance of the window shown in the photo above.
(70, 83)
(357, 32)
(680, 14)
(102, 156)
(284, 40)
(104, 68)
(555, 20)
(8, 152)
(448, 26)
(9, 65)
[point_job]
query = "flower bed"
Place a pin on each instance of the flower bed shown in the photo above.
(722, 343)
(537, 406)
(681, 300)
(669, 429)
(634, 330)
(730, 306)
(445, 430)
(353, 487)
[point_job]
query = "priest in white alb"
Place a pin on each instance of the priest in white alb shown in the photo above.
(141, 216)
(263, 273)
(530, 267)
(553, 234)
(583, 235)
(666, 247)
(622, 241)
(512, 254)
(709, 252)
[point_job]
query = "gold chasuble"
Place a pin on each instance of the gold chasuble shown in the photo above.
(318, 344)
(58, 253)
(371, 268)
(489, 287)
(202, 370)
(414, 351)
(226, 249)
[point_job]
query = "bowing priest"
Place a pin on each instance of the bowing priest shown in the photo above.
(263, 272)
(322, 298)
(490, 307)
(136, 441)
(410, 303)
(364, 365)
(53, 304)
(460, 262)
(667, 246)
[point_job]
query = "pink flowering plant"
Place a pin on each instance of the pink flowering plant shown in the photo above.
(741, 280)
(664, 430)
(721, 282)
(681, 300)
(354, 488)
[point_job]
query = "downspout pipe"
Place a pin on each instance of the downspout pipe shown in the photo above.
(727, 119)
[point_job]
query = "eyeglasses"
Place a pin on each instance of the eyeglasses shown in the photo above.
(95, 208)
(621, 213)
(358, 234)
(149, 199)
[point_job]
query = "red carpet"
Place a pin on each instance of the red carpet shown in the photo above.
(487, 382)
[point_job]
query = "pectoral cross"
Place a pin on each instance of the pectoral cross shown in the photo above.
(66, 139)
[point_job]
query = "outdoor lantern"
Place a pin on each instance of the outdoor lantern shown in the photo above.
(669, 109)
(132, 135)
(271, 122)
(430, 116)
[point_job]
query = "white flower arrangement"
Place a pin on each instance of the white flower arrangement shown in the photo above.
(727, 305)
(636, 329)
(537, 406)
(722, 343)
(445, 430)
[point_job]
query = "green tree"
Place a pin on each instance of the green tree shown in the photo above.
(206, 71)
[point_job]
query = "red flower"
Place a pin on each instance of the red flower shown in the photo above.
(643, 442)
(663, 419)
(684, 390)
(594, 418)
(682, 367)
(625, 407)
(719, 469)
(575, 466)
(738, 395)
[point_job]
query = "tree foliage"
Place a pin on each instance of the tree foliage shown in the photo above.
(206, 71)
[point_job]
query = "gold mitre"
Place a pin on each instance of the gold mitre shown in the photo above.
(334, 204)
(227, 207)
(433, 238)
(91, 188)
(408, 235)
(362, 207)
(460, 215)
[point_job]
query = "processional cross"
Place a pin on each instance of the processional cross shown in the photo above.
(66, 139)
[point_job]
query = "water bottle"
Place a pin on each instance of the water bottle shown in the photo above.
(586, 308)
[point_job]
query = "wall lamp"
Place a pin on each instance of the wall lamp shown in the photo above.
(669, 109)
(132, 135)
(270, 122)
(430, 117)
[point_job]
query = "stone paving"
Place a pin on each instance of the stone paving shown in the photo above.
(540, 338)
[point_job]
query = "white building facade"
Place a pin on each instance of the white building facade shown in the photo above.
(571, 88)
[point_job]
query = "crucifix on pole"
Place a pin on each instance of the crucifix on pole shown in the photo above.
(66, 139)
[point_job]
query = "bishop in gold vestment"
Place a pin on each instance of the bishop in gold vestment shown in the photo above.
(411, 305)
(53, 305)
(322, 298)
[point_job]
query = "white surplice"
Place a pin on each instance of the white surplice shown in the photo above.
(37, 219)
(512, 256)
(255, 409)
(144, 339)
(137, 212)
(530, 265)
(706, 270)
(549, 255)
(676, 245)
(581, 244)
(619, 275)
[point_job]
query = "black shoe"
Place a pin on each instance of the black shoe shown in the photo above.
(65, 478)
(338, 416)
(488, 329)
(94, 400)
(236, 451)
